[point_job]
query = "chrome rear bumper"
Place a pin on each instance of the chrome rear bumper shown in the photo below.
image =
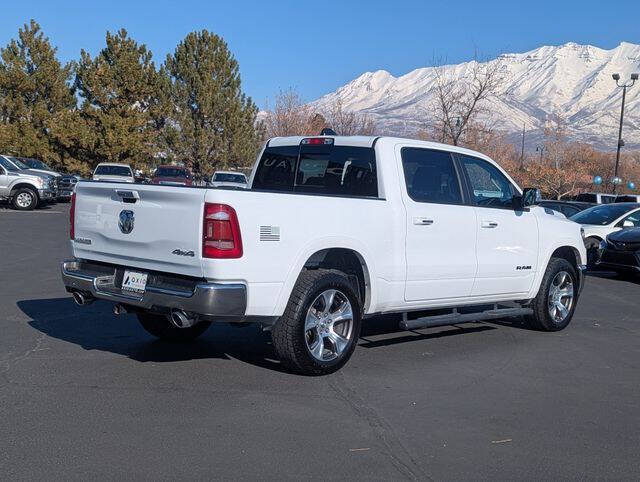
(226, 302)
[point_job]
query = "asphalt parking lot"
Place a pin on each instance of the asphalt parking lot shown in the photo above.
(85, 394)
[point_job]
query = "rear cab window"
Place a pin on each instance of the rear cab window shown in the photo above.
(107, 170)
(319, 169)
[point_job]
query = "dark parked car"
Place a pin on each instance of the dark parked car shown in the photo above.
(172, 175)
(620, 251)
(568, 208)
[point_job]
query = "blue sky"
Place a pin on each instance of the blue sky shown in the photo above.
(318, 46)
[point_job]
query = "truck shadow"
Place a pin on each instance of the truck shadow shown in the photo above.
(95, 327)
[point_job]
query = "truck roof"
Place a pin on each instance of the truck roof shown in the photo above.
(368, 141)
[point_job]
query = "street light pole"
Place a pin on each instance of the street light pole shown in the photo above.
(541, 149)
(624, 86)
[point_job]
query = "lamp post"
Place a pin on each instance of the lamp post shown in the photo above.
(541, 149)
(624, 86)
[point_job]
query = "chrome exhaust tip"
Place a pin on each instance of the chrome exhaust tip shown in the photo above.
(180, 319)
(82, 299)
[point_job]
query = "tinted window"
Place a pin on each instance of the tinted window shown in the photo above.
(632, 218)
(587, 197)
(226, 177)
(36, 164)
(626, 199)
(170, 172)
(113, 171)
(602, 215)
(430, 176)
(604, 199)
(340, 170)
(569, 211)
(18, 163)
(7, 165)
(489, 186)
(275, 170)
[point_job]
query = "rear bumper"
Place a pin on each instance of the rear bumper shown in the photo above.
(215, 301)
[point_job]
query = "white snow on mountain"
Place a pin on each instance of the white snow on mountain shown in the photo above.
(571, 80)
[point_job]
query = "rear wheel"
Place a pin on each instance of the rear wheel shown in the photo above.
(555, 303)
(24, 199)
(320, 327)
(161, 327)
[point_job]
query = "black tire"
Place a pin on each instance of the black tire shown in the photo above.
(541, 318)
(288, 334)
(592, 244)
(159, 326)
(19, 195)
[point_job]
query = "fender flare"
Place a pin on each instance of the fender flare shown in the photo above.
(561, 243)
(320, 245)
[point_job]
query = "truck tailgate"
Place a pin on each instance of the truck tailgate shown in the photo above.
(139, 225)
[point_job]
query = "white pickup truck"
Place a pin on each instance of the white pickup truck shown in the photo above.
(331, 231)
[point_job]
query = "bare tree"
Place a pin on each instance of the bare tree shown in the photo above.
(458, 102)
(349, 123)
(291, 116)
(555, 130)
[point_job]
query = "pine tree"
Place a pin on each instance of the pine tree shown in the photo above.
(212, 122)
(122, 106)
(35, 92)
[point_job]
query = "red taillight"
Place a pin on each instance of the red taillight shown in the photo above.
(316, 141)
(72, 217)
(220, 232)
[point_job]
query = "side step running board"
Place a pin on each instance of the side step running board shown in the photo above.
(454, 318)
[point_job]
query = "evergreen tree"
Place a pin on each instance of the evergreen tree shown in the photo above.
(212, 122)
(35, 92)
(122, 106)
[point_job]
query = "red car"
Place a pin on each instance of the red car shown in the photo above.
(173, 176)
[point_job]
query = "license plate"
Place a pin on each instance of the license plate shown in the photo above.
(134, 281)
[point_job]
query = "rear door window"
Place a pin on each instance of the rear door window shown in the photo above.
(430, 176)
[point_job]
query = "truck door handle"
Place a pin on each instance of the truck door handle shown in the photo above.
(489, 224)
(422, 221)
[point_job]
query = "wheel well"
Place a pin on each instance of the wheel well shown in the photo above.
(349, 262)
(28, 186)
(594, 237)
(571, 254)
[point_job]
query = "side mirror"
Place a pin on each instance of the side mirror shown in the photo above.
(530, 197)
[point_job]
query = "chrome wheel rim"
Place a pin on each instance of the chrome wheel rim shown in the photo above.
(560, 298)
(328, 326)
(24, 200)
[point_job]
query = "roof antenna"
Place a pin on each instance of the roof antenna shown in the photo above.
(327, 131)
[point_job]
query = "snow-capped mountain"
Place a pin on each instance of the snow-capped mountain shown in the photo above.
(571, 80)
